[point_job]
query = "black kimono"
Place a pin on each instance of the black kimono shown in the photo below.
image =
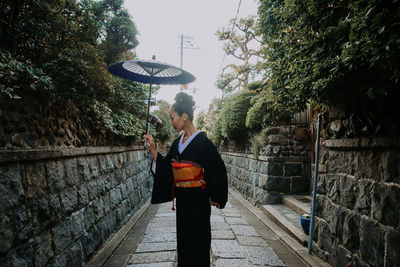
(193, 208)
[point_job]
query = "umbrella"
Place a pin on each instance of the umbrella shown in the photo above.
(150, 72)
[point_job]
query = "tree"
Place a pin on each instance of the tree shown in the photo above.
(341, 53)
(164, 131)
(61, 49)
(243, 44)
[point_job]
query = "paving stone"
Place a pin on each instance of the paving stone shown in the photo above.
(220, 226)
(166, 214)
(152, 257)
(222, 234)
(244, 230)
(252, 241)
(159, 237)
(236, 220)
(161, 230)
(228, 205)
(217, 218)
(263, 256)
(153, 247)
(232, 263)
(216, 211)
(165, 223)
(158, 264)
(227, 249)
(228, 213)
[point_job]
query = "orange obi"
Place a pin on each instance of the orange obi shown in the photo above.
(188, 175)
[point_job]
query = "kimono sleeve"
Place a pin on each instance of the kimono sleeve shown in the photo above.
(215, 175)
(163, 180)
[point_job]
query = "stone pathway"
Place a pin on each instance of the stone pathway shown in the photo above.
(234, 241)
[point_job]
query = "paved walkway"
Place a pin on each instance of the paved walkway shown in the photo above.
(235, 242)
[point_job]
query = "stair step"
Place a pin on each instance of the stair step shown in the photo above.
(300, 204)
(288, 220)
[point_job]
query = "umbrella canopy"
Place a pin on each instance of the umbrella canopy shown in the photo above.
(150, 72)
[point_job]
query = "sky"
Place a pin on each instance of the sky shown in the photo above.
(160, 24)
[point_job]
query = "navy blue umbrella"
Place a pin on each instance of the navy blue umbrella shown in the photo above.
(150, 72)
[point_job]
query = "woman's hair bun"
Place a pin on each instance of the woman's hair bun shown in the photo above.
(184, 104)
(184, 99)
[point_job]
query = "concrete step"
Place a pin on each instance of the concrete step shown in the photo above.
(288, 220)
(300, 204)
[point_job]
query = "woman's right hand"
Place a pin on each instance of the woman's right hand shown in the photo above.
(148, 139)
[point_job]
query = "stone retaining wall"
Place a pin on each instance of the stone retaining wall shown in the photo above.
(266, 179)
(358, 203)
(59, 206)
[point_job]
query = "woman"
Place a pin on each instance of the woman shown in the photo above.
(195, 174)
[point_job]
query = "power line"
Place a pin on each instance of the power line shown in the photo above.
(231, 32)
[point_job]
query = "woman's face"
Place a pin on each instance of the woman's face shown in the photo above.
(177, 121)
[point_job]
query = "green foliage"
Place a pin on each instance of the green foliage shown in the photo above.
(16, 76)
(61, 49)
(233, 116)
(216, 131)
(164, 132)
(337, 53)
(201, 121)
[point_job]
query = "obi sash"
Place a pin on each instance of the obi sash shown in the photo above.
(187, 174)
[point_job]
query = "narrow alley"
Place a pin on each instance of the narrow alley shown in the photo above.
(239, 238)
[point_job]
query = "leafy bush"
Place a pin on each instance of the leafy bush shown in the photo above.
(61, 49)
(343, 53)
(233, 116)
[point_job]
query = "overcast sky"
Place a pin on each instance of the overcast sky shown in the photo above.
(160, 24)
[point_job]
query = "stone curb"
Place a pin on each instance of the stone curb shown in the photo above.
(265, 158)
(40, 154)
(363, 143)
(106, 252)
(289, 241)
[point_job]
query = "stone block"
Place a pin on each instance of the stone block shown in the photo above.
(293, 168)
(98, 209)
(324, 236)
(83, 168)
(43, 249)
(69, 201)
(227, 249)
(72, 177)
(372, 244)
(94, 167)
(392, 252)
(274, 169)
(92, 187)
(340, 256)
(62, 236)
(83, 198)
(34, 180)
(107, 205)
(263, 256)
(391, 166)
(89, 216)
(6, 234)
(351, 230)
(386, 204)
(55, 173)
(10, 185)
(278, 184)
(74, 255)
(299, 185)
(341, 162)
(77, 224)
(153, 257)
(364, 197)
(347, 191)
(102, 164)
(244, 230)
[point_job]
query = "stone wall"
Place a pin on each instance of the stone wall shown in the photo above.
(266, 179)
(358, 203)
(282, 165)
(59, 206)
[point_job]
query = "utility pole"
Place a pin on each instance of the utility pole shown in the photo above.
(186, 43)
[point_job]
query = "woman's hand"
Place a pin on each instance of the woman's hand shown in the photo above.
(148, 139)
(213, 203)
